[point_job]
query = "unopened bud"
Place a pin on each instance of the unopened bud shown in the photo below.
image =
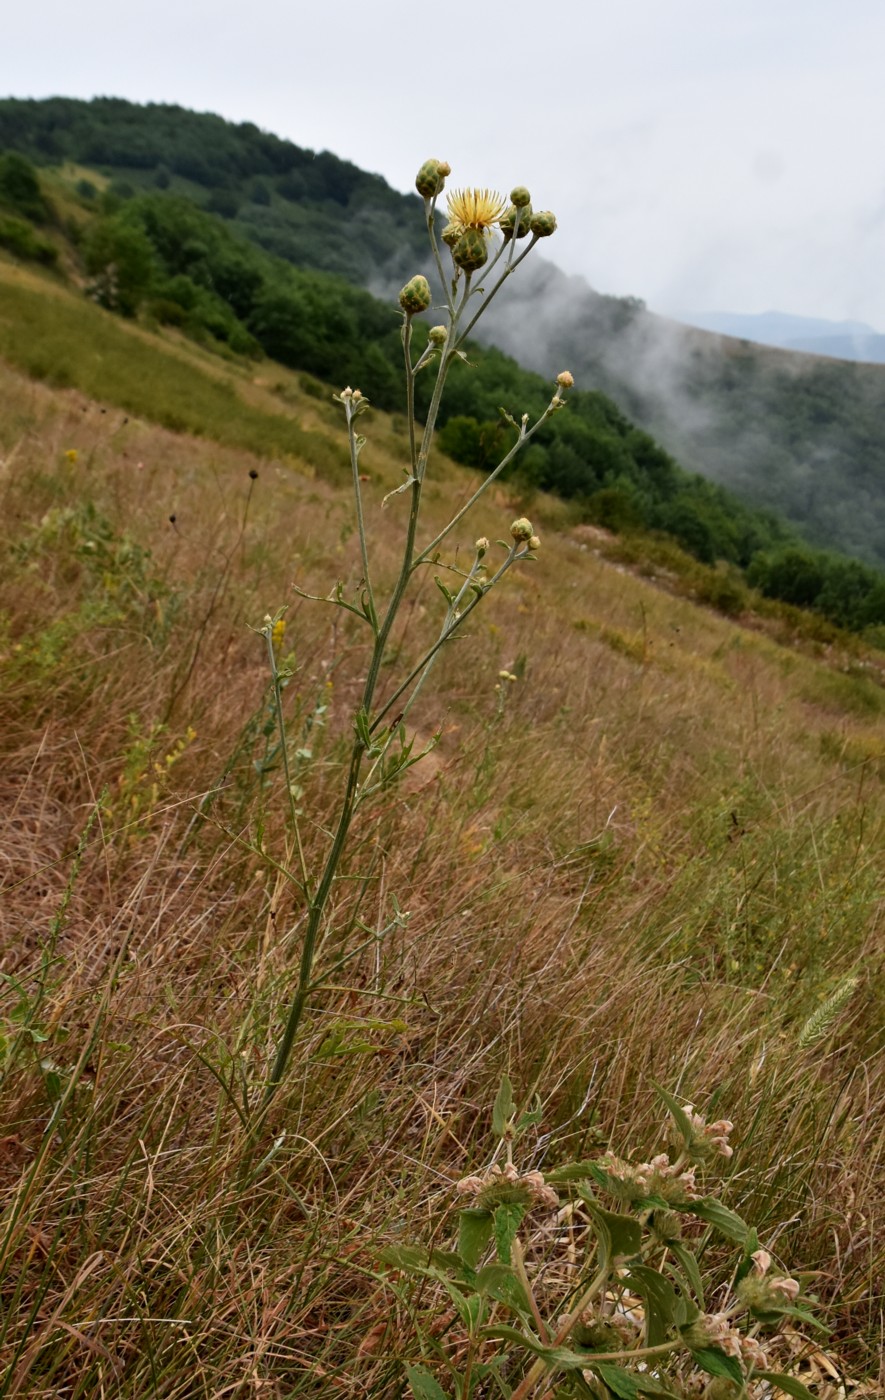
(450, 234)
(415, 296)
(520, 197)
(565, 379)
(431, 178)
(482, 545)
(507, 221)
(543, 224)
(438, 335)
(522, 529)
(534, 542)
(471, 251)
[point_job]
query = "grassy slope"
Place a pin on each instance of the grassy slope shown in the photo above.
(656, 860)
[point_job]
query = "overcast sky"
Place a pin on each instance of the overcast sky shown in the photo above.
(704, 155)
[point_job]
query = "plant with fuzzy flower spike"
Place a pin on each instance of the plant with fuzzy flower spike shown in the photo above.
(380, 751)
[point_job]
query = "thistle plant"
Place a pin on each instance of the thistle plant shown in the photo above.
(593, 1279)
(484, 241)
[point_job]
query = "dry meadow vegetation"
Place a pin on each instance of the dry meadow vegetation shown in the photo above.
(655, 855)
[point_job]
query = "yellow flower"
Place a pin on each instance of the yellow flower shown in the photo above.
(477, 209)
(72, 454)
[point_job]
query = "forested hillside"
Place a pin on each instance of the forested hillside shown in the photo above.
(144, 246)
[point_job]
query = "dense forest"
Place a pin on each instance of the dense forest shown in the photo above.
(155, 211)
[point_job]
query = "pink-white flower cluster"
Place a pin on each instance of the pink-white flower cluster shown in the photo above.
(709, 1135)
(532, 1184)
(659, 1177)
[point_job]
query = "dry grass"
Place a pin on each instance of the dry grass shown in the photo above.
(655, 863)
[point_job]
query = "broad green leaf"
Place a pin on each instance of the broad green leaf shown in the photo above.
(572, 1171)
(618, 1235)
(716, 1363)
(532, 1116)
(501, 1283)
(677, 1113)
(508, 1219)
(619, 1382)
(691, 1269)
(557, 1358)
(475, 1308)
(474, 1233)
(504, 1108)
(423, 1385)
(720, 1217)
(788, 1384)
(663, 1306)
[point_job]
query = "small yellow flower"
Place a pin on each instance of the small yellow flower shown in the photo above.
(476, 209)
(72, 454)
(278, 634)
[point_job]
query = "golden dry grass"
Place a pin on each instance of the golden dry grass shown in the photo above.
(655, 863)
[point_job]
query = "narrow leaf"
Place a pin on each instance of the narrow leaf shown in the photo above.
(663, 1305)
(507, 1221)
(690, 1267)
(720, 1217)
(677, 1113)
(504, 1109)
(788, 1384)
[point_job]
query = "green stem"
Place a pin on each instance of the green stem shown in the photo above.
(284, 751)
(358, 498)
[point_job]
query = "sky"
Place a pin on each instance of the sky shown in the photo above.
(705, 156)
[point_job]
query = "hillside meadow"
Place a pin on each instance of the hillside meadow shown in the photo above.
(648, 853)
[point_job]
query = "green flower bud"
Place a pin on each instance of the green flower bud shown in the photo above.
(438, 335)
(520, 197)
(431, 177)
(471, 251)
(507, 222)
(543, 224)
(534, 542)
(415, 296)
(522, 529)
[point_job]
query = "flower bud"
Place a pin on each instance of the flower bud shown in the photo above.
(431, 178)
(438, 335)
(521, 197)
(522, 529)
(543, 223)
(415, 296)
(534, 542)
(565, 379)
(482, 545)
(507, 221)
(450, 234)
(471, 251)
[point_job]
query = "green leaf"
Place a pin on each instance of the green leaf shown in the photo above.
(677, 1113)
(423, 1385)
(474, 1233)
(572, 1171)
(531, 1117)
(618, 1235)
(690, 1267)
(504, 1109)
(663, 1306)
(619, 1381)
(720, 1217)
(508, 1219)
(788, 1384)
(716, 1363)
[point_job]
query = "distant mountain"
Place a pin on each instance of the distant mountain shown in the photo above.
(841, 340)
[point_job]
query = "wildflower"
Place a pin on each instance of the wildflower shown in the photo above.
(520, 197)
(565, 379)
(414, 298)
(481, 546)
(438, 335)
(522, 529)
(535, 542)
(277, 635)
(708, 1138)
(475, 209)
(72, 454)
(431, 177)
(515, 219)
(504, 1185)
(543, 223)
(470, 252)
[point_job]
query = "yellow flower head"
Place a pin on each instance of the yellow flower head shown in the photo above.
(477, 209)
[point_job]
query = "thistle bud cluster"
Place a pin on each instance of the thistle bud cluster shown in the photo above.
(431, 178)
(506, 1186)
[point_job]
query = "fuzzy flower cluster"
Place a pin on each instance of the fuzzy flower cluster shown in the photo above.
(763, 1293)
(708, 1139)
(505, 1185)
(715, 1329)
(659, 1177)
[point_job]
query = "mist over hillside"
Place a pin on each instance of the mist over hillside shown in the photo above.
(801, 435)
